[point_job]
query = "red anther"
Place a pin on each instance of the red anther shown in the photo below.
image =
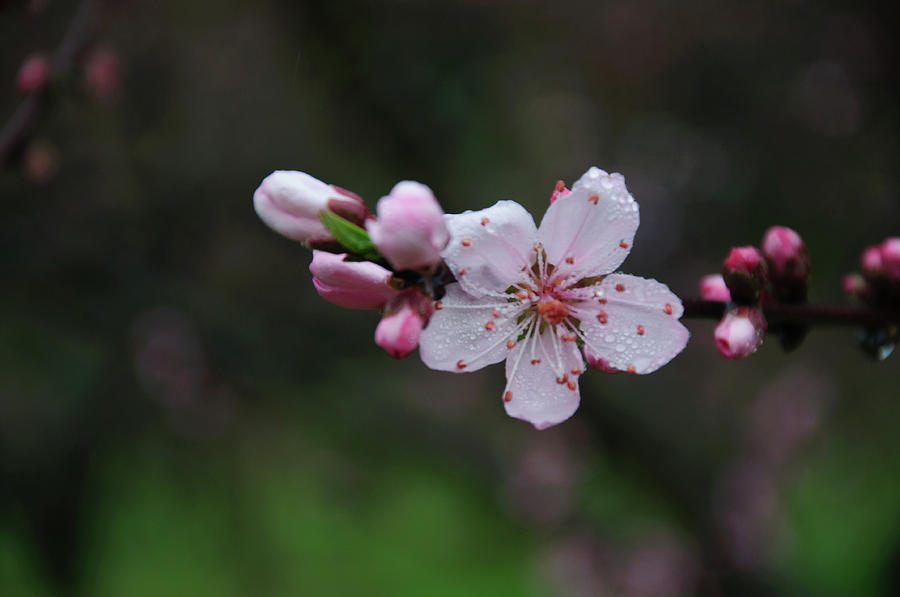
(631, 370)
(535, 361)
(570, 260)
(494, 313)
(667, 309)
(566, 338)
(570, 385)
(560, 186)
(460, 364)
(510, 343)
(520, 295)
(620, 288)
(563, 379)
(438, 305)
(462, 272)
(489, 325)
(466, 242)
(594, 199)
(484, 221)
(623, 244)
(507, 396)
(602, 301)
(576, 371)
(602, 318)
(640, 330)
(524, 267)
(552, 310)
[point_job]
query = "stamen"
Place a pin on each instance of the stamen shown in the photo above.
(667, 309)
(571, 385)
(535, 361)
(460, 364)
(438, 305)
(640, 330)
(462, 272)
(495, 313)
(623, 244)
(620, 288)
(510, 343)
(570, 260)
(602, 318)
(507, 396)
(489, 325)
(466, 242)
(594, 199)
(631, 370)
(560, 186)
(484, 221)
(576, 371)
(563, 379)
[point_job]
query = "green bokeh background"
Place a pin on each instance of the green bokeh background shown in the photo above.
(293, 457)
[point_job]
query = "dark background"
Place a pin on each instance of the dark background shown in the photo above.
(181, 414)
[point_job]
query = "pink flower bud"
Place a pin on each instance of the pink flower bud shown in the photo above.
(559, 191)
(890, 257)
(854, 284)
(33, 74)
(102, 73)
(289, 202)
(398, 331)
(744, 272)
(410, 230)
(350, 284)
(785, 253)
(740, 332)
(713, 288)
(870, 261)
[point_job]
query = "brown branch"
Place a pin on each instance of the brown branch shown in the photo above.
(803, 314)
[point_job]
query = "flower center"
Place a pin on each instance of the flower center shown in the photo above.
(552, 310)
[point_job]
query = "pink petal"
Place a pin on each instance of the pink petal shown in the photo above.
(542, 380)
(350, 284)
(590, 230)
(637, 328)
(489, 247)
(467, 333)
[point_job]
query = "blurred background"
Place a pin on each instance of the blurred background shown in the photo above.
(181, 414)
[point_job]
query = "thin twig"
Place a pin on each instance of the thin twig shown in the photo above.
(24, 120)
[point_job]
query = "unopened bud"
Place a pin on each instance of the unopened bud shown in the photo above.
(410, 231)
(102, 74)
(404, 319)
(713, 288)
(740, 332)
(870, 261)
(289, 202)
(559, 191)
(890, 258)
(745, 274)
(788, 262)
(350, 284)
(854, 285)
(33, 74)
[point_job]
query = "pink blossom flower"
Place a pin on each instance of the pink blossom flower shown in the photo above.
(103, 73)
(350, 284)
(535, 296)
(410, 231)
(713, 288)
(740, 332)
(289, 202)
(870, 261)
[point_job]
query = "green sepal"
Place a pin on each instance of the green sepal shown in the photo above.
(352, 237)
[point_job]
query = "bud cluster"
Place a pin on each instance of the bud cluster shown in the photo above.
(391, 263)
(775, 272)
(878, 286)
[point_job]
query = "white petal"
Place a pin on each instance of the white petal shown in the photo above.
(489, 247)
(542, 380)
(467, 333)
(590, 230)
(641, 328)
